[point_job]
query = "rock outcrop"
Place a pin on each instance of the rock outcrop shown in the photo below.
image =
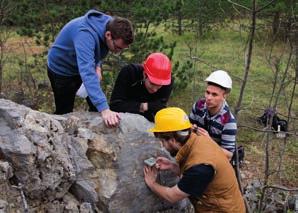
(73, 163)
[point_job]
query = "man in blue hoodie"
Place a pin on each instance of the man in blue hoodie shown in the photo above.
(76, 57)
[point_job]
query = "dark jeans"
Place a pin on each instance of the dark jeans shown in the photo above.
(64, 89)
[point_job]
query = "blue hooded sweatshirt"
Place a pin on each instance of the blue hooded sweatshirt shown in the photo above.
(78, 49)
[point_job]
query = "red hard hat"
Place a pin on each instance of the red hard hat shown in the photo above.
(158, 68)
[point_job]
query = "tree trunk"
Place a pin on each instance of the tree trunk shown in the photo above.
(200, 28)
(179, 22)
(275, 23)
(295, 44)
(179, 17)
(247, 56)
(1, 71)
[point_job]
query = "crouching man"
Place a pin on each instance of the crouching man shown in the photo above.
(207, 177)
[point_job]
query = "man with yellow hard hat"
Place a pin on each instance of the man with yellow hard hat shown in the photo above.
(207, 177)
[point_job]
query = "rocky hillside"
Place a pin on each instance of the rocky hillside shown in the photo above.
(73, 163)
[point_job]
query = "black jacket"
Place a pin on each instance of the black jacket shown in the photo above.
(129, 92)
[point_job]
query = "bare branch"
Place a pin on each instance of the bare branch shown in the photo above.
(204, 62)
(262, 8)
(197, 58)
(239, 5)
(267, 130)
(235, 8)
(281, 188)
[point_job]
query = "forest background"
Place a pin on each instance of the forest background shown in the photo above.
(254, 40)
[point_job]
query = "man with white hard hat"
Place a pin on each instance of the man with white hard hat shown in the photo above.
(212, 114)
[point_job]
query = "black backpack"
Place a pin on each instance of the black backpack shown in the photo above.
(241, 154)
(276, 121)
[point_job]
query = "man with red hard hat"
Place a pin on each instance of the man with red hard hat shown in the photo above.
(143, 88)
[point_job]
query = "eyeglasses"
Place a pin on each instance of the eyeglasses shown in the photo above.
(118, 48)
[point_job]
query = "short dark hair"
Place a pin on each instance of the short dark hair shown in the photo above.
(121, 28)
(227, 90)
(181, 136)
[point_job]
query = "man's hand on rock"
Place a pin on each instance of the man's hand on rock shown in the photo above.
(150, 175)
(111, 118)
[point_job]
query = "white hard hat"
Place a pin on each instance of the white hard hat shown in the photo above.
(220, 78)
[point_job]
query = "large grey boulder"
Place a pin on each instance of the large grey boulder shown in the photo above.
(73, 163)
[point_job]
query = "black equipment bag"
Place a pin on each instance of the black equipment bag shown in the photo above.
(241, 154)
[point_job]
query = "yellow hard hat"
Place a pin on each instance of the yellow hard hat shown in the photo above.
(170, 119)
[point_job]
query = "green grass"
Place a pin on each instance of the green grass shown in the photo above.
(226, 51)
